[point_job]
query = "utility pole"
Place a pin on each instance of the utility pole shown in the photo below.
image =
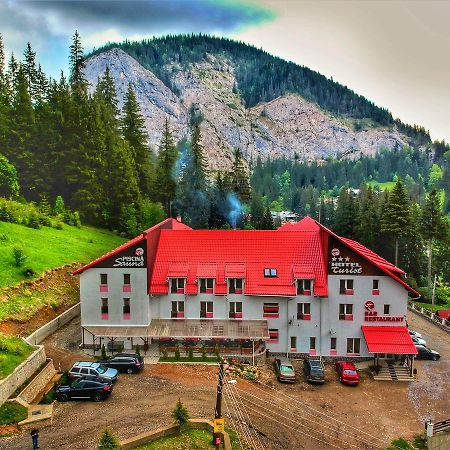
(218, 419)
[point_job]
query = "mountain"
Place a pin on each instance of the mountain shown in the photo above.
(247, 98)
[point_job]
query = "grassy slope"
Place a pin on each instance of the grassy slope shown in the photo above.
(12, 352)
(48, 248)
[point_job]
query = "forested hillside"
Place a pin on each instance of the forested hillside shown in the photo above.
(260, 76)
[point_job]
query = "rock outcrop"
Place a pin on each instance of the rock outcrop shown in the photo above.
(288, 126)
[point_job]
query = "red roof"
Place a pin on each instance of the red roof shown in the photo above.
(168, 223)
(386, 339)
(295, 250)
(232, 250)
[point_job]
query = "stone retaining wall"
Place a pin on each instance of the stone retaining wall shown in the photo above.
(21, 374)
(38, 383)
(39, 335)
(150, 436)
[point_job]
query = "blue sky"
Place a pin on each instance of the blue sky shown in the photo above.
(396, 52)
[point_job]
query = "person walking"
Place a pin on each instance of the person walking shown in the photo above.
(34, 438)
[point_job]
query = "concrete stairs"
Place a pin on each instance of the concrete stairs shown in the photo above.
(391, 372)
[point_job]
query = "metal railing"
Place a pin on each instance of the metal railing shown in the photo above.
(430, 316)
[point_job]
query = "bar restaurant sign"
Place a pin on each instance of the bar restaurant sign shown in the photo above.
(371, 315)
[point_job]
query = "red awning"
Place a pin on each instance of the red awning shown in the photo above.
(235, 271)
(302, 272)
(385, 339)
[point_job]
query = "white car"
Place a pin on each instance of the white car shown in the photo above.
(415, 334)
(419, 341)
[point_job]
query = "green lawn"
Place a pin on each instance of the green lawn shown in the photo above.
(47, 248)
(12, 413)
(12, 352)
(382, 186)
(191, 439)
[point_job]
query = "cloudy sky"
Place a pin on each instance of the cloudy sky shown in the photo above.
(394, 52)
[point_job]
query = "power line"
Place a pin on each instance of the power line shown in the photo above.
(232, 421)
(248, 417)
(332, 428)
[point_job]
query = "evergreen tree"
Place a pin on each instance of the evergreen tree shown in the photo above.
(165, 168)
(30, 71)
(434, 226)
(346, 214)
(218, 206)
(192, 200)
(76, 63)
(133, 130)
(368, 224)
(267, 222)
(180, 414)
(108, 441)
(257, 211)
(396, 217)
(240, 179)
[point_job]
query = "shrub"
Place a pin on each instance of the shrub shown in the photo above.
(190, 352)
(28, 272)
(108, 441)
(204, 352)
(33, 221)
(103, 352)
(177, 352)
(18, 255)
(180, 414)
(138, 350)
(217, 352)
(164, 353)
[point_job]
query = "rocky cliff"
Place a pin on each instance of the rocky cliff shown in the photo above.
(287, 126)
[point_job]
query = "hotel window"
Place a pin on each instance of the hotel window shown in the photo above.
(235, 310)
(293, 343)
(273, 336)
(312, 343)
(303, 311)
(386, 309)
(103, 282)
(375, 287)
(206, 285)
(353, 346)
(346, 286)
(235, 286)
(177, 310)
(304, 287)
(270, 273)
(333, 343)
(206, 310)
(126, 308)
(271, 310)
(177, 285)
(345, 311)
(104, 308)
(126, 282)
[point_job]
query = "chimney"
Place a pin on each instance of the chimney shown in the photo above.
(179, 218)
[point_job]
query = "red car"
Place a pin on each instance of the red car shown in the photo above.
(347, 372)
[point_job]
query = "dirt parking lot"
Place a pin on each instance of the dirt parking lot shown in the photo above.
(312, 417)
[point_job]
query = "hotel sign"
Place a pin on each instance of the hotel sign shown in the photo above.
(371, 315)
(132, 257)
(343, 265)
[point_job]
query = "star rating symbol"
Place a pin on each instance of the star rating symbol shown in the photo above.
(347, 259)
(340, 258)
(333, 258)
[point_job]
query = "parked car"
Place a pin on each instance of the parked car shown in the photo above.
(415, 333)
(125, 362)
(426, 353)
(284, 369)
(347, 372)
(92, 371)
(314, 370)
(82, 389)
(419, 341)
